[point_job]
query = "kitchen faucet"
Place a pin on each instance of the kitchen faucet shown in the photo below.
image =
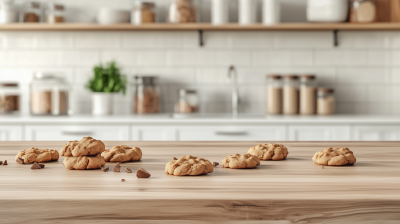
(232, 75)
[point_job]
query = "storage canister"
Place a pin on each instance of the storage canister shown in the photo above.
(290, 94)
(307, 94)
(50, 95)
(31, 12)
(325, 101)
(146, 96)
(271, 12)
(8, 12)
(219, 12)
(247, 12)
(362, 11)
(143, 12)
(9, 98)
(182, 11)
(188, 102)
(274, 94)
(55, 13)
(327, 10)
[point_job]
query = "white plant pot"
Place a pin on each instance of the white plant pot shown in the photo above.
(102, 103)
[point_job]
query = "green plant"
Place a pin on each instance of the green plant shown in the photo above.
(107, 79)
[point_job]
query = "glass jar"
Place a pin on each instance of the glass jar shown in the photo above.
(143, 12)
(31, 12)
(50, 95)
(8, 12)
(290, 94)
(188, 102)
(55, 13)
(307, 94)
(9, 98)
(182, 11)
(146, 95)
(362, 11)
(274, 94)
(325, 101)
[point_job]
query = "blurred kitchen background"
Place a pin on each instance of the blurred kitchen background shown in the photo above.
(208, 86)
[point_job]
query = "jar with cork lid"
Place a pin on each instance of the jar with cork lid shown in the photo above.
(182, 11)
(363, 11)
(290, 94)
(31, 12)
(9, 98)
(307, 94)
(146, 95)
(274, 94)
(55, 13)
(325, 101)
(188, 102)
(143, 12)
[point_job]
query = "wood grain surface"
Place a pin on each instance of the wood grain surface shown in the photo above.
(294, 190)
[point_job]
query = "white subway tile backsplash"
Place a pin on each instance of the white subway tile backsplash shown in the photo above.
(124, 58)
(364, 39)
(191, 58)
(379, 93)
(340, 57)
(152, 58)
(395, 58)
(295, 39)
(55, 40)
(17, 40)
(153, 39)
(98, 40)
(351, 93)
(79, 58)
(251, 40)
(282, 57)
(363, 75)
(36, 58)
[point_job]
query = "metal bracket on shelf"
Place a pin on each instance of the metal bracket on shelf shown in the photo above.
(201, 40)
(335, 38)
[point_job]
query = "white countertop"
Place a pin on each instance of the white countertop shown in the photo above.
(160, 119)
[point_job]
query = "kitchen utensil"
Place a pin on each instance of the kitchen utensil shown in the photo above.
(327, 10)
(108, 16)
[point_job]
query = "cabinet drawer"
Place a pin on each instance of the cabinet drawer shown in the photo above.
(319, 133)
(376, 133)
(70, 133)
(231, 133)
(11, 133)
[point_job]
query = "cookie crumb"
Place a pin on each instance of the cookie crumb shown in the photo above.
(215, 163)
(117, 168)
(41, 165)
(5, 163)
(175, 158)
(1, 163)
(128, 170)
(36, 166)
(105, 169)
(142, 173)
(20, 161)
(123, 180)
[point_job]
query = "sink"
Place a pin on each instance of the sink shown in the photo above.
(216, 116)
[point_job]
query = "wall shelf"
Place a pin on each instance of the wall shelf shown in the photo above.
(200, 26)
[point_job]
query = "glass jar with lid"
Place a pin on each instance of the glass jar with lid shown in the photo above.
(31, 12)
(143, 12)
(274, 94)
(308, 94)
(146, 95)
(55, 13)
(290, 94)
(325, 101)
(182, 11)
(188, 102)
(50, 95)
(8, 12)
(9, 98)
(363, 11)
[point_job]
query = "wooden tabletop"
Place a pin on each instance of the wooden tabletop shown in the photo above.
(295, 189)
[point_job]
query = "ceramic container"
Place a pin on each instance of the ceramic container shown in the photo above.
(108, 16)
(327, 10)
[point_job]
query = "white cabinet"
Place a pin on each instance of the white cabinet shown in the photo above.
(11, 133)
(376, 133)
(232, 133)
(71, 132)
(319, 133)
(153, 133)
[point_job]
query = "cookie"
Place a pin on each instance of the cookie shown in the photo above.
(84, 162)
(88, 146)
(237, 161)
(189, 166)
(334, 157)
(122, 154)
(269, 151)
(37, 155)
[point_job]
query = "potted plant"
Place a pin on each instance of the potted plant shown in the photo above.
(107, 80)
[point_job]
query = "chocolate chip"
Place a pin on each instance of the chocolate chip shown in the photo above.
(105, 169)
(128, 170)
(20, 161)
(41, 165)
(117, 168)
(215, 163)
(123, 180)
(142, 173)
(175, 158)
(36, 166)
(1, 163)
(5, 163)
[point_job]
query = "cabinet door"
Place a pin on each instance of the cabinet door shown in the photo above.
(376, 133)
(319, 133)
(232, 133)
(11, 133)
(69, 132)
(153, 133)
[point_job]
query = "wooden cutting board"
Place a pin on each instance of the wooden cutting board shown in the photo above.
(294, 190)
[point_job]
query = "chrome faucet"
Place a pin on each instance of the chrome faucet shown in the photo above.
(232, 75)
